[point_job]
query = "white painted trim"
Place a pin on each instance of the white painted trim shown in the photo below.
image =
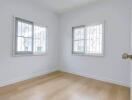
(35, 74)
(25, 77)
(104, 79)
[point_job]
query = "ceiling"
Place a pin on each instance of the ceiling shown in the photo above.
(61, 6)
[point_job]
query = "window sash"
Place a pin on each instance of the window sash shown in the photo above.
(16, 35)
(44, 40)
(73, 40)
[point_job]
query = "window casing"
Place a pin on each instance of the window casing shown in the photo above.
(88, 40)
(30, 39)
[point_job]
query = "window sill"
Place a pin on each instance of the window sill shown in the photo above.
(26, 55)
(89, 55)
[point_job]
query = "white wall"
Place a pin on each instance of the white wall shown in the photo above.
(14, 69)
(111, 67)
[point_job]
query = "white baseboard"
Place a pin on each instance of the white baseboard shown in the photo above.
(35, 74)
(25, 77)
(104, 79)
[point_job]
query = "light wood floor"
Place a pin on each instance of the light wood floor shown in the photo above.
(64, 86)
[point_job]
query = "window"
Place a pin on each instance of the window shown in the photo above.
(29, 38)
(88, 40)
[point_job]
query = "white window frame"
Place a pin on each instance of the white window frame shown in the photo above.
(19, 53)
(84, 53)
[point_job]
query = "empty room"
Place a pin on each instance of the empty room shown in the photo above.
(65, 49)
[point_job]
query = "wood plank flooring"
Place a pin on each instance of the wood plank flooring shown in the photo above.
(63, 86)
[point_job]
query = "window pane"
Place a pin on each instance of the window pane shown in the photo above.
(39, 39)
(93, 47)
(39, 46)
(79, 46)
(78, 33)
(24, 44)
(94, 37)
(24, 29)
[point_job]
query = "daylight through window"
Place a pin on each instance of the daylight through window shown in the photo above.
(88, 40)
(30, 38)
